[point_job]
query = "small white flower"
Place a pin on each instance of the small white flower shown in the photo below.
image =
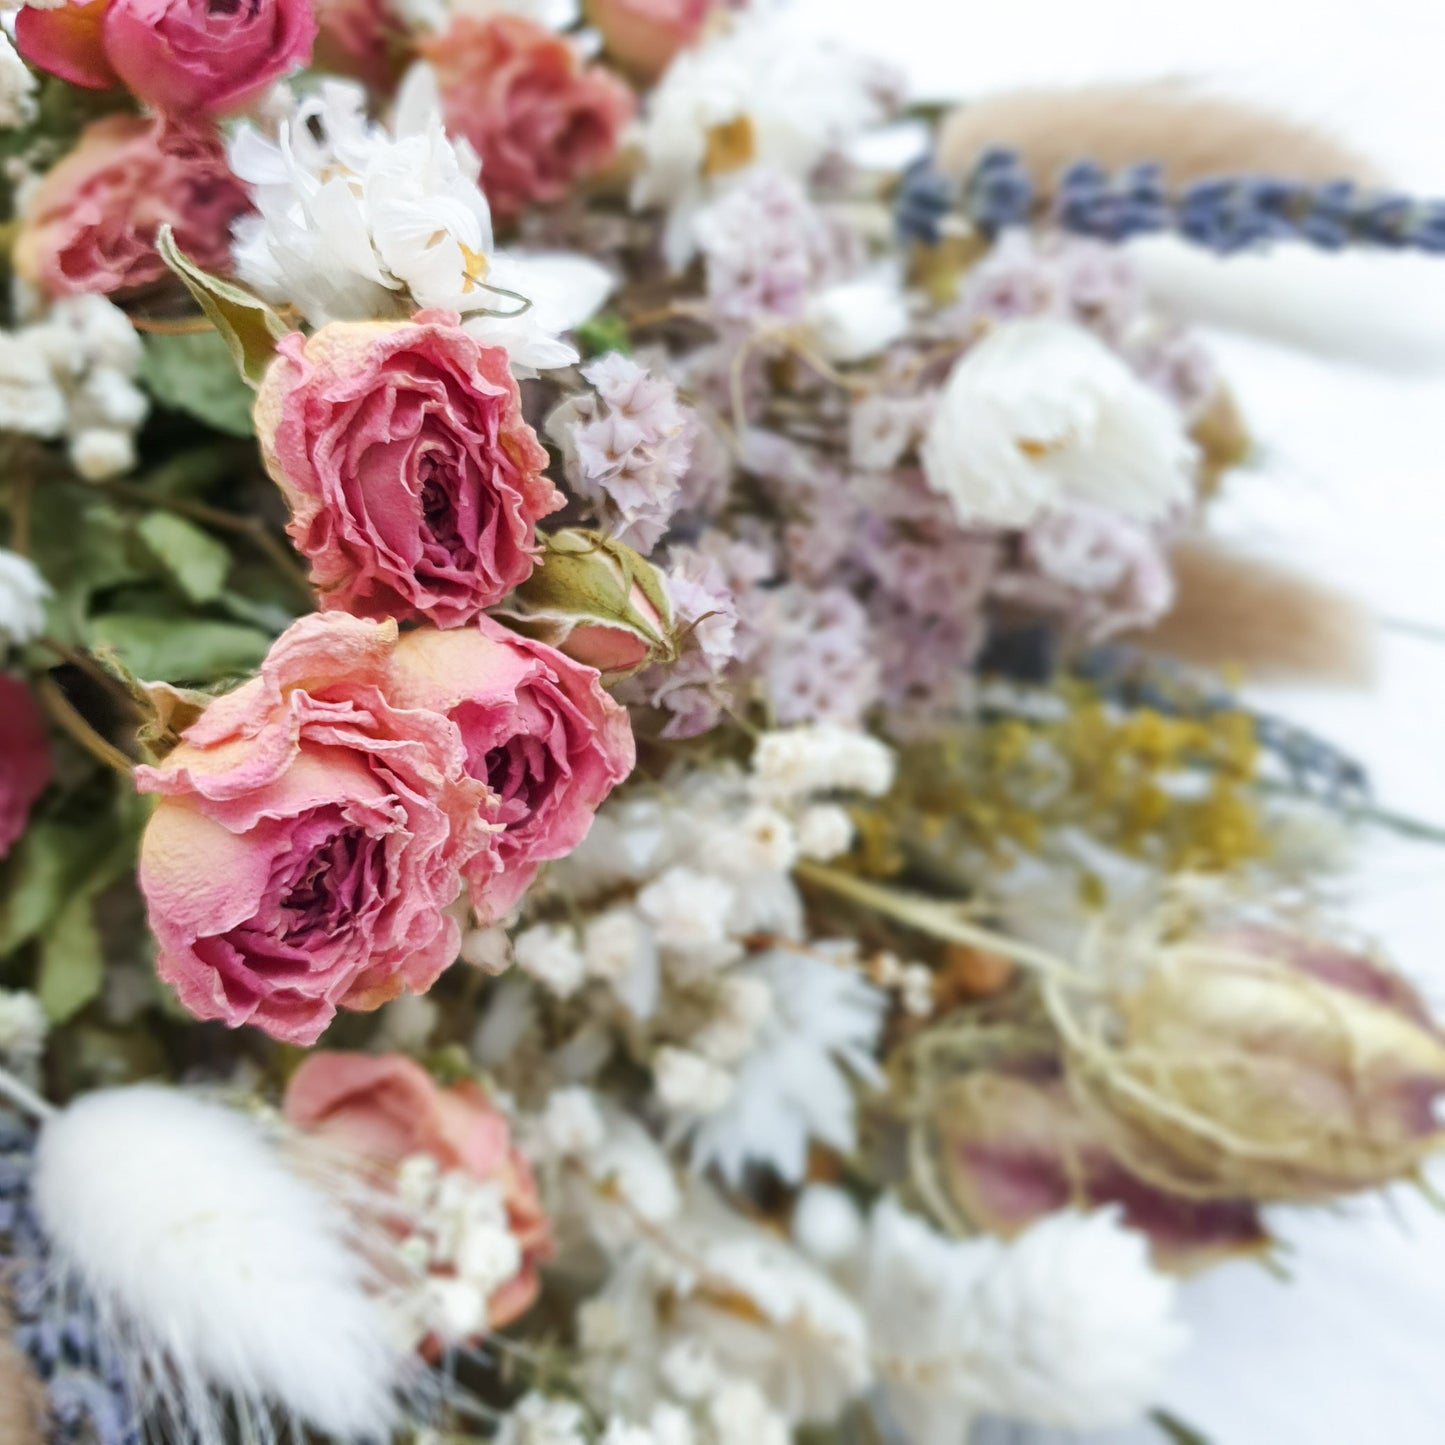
(623, 1432)
(1041, 412)
(824, 831)
(739, 1414)
(30, 399)
(539, 1420)
(761, 841)
(915, 989)
(100, 452)
(17, 87)
(827, 1224)
(671, 1425)
(689, 1369)
(630, 1161)
(741, 1005)
(853, 320)
(487, 949)
(616, 944)
(794, 1086)
(571, 1123)
(407, 1024)
(548, 952)
(23, 594)
(23, 1027)
(488, 1257)
(825, 758)
(688, 1083)
(1068, 1326)
(455, 1309)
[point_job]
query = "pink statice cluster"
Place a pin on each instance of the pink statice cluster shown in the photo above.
(626, 447)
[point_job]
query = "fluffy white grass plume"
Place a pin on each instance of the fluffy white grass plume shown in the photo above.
(1040, 413)
(1192, 135)
(1270, 622)
(228, 1278)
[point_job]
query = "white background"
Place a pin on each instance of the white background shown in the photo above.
(1352, 485)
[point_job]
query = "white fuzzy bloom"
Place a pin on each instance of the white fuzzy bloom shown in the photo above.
(687, 909)
(570, 1123)
(549, 953)
(1041, 412)
(689, 1083)
(824, 831)
(789, 98)
(23, 1028)
(827, 1224)
(803, 761)
(538, 1420)
(853, 320)
(795, 1086)
(1069, 1326)
(17, 87)
(23, 594)
(356, 222)
(31, 400)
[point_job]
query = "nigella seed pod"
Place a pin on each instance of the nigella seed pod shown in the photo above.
(1261, 1063)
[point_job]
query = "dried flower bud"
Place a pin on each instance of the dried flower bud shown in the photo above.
(1260, 1063)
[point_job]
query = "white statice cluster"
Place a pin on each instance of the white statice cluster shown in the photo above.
(705, 1314)
(761, 89)
(23, 1029)
(681, 913)
(356, 221)
(72, 374)
(625, 447)
(1040, 414)
(458, 1249)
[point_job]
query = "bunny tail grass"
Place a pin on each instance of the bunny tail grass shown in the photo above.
(1272, 624)
(228, 1280)
(1191, 135)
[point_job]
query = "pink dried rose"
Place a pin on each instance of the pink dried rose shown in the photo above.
(180, 56)
(538, 729)
(24, 758)
(362, 38)
(308, 836)
(414, 483)
(91, 224)
(644, 35)
(389, 1109)
(539, 118)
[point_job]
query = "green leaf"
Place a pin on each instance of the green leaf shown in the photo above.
(197, 374)
(194, 558)
(249, 327)
(72, 966)
(169, 649)
(1177, 1430)
(42, 873)
(602, 334)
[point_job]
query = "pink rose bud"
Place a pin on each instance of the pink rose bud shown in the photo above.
(538, 117)
(67, 41)
(538, 729)
(644, 35)
(200, 56)
(24, 758)
(413, 481)
(91, 224)
(308, 837)
(389, 1110)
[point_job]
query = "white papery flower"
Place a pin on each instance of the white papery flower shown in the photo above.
(23, 593)
(1068, 1326)
(853, 320)
(779, 95)
(794, 1086)
(17, 87)
(798, 762)
(1041, 412)
(357, 222)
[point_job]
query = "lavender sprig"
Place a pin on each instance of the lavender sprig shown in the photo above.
(83, 1376)
(1227, 214)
